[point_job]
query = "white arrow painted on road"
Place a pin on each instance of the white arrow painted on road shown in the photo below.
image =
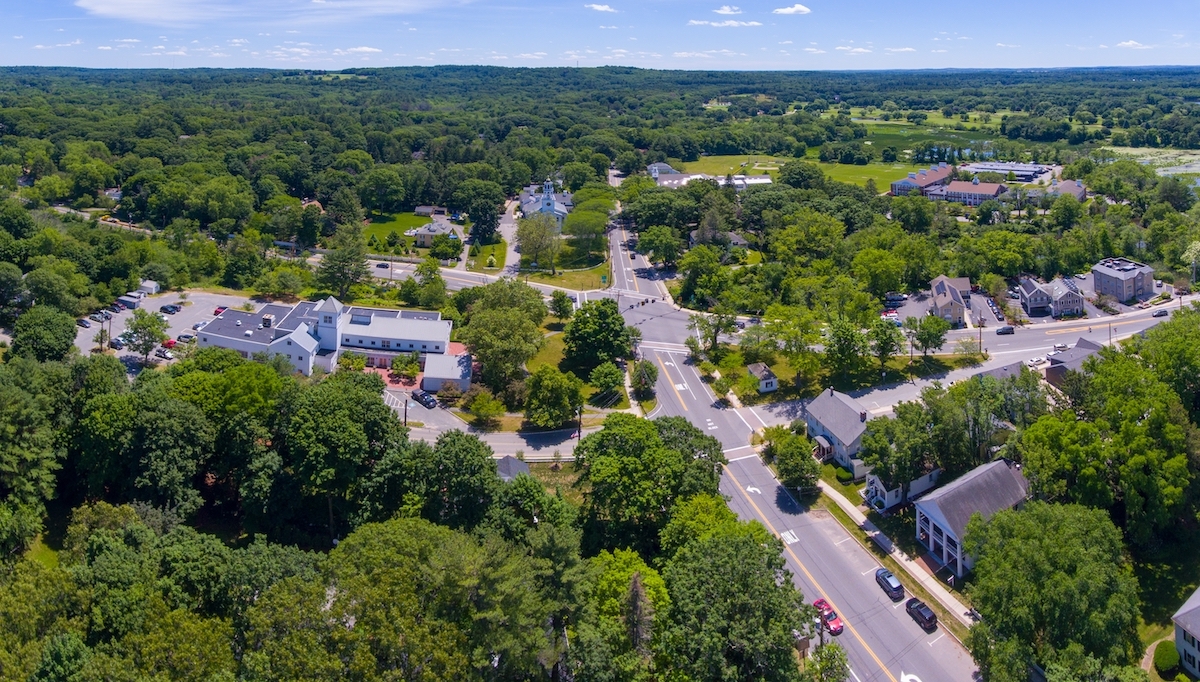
(908, 678)
(752, 489)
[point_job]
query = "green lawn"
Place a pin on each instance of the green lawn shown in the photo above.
(399, 222)
(866, 376)
(733, 164)
(882, 173)
(560, 481)
(848, 490)
(478, 262)
(553, 353)
(579, 280)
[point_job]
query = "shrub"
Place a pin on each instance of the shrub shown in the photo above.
(844, 475)
(1166, 657)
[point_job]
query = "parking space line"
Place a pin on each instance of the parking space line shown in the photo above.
(936, 640)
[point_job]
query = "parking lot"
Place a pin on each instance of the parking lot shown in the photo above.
(198, 307)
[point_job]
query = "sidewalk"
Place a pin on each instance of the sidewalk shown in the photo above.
(931, 584)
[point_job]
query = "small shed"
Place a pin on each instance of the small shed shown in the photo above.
(440, 369)
(148, 286)
(509, 467)
(767, 381)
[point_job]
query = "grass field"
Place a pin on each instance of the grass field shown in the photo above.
(478, 262)
(726, 165)
(559, 482)
(399, 222)
(579, 280)
(882, 173)
(553, 353)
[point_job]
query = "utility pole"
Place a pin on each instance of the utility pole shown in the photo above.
(406, 397)
(579, 436)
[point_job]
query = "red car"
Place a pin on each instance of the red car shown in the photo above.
(829, 618)
(169, 343)
(220, 309)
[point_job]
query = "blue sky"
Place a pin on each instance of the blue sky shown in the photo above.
(675, 34)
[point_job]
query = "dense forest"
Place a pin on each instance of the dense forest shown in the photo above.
(221, 518)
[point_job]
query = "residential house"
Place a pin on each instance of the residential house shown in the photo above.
(1123, 279)
(314, 334)
(1059, 297)
(556, 204)
(1034, 298)
(973, 193)
(1073, 188)
(836, 422)
(942, 515)
(767, 381)
(424, 235)
(923, 180)
(1070, 360)
(430, 211)
(879, 497)
(732, 238)
(509, 467)
(1187, 629)
(1005, 372)
(949, 303)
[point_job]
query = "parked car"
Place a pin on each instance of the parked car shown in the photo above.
(1161, 312)
(185, 338)
(116, 344)
(921, 613)
(829, 618)
(1158, 284)
(890, 584)
(1060, 346)
(999, 317)
(164, 354)
(200, 325)
(116, 307)
(120, 306)
(169, 343)
(1082, 275)
(162, 317)
(105, 314)
(220, 309)
(1006, 329)
(95, 317)
(169, 309)
(424, 398)
(83, 323)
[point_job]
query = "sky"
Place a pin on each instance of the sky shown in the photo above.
(661, 34)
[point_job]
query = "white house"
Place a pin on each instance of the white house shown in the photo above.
(557, 205)
(1187, 628)
(837, 423)
(767, 381)
(943, 514)
(879, 497)
(314, 334)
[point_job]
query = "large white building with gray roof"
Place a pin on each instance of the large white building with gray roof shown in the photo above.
(1187, 629)
(314, 333)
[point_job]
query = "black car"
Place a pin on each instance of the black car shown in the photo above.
(169, 309)
(425, 399)
(1161, 313)
(116, 344)
(381, 265)
(890, 584)
(921, 613)
(1006, 329)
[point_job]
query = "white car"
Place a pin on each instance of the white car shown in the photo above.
(1060, 346)
(1038, 360)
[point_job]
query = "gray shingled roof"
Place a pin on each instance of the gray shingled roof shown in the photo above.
(1001, 373)
(1188, 615)
(986, 489)
(510, 467)
(760, 371)
(840, 414)
(1082, 350)
(945, 290)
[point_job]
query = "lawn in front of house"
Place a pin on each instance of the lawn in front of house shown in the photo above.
(576, 280)
(560, 481)
(478, 262)
(398, 222)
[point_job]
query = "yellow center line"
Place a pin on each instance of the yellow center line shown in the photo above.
(813, 580)
(673, 386)
(1100, 325)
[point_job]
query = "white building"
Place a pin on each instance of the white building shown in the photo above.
(314, 334)
(837, 423)
(943, 514)
(547, 201)
(879, 497)
(1187, 628)
(767, 381)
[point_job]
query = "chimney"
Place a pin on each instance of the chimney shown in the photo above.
(862, 416)
(975, 180)
(830, 390)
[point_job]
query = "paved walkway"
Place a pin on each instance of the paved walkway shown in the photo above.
(1148, 659)
(911, 566)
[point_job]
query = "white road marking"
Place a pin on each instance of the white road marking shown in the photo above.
(738, 459)
(869, 570)
(841, 541)
(757, 416)
(789, 537)
(740, 447)
(936, 640)
(681, 387)
(908, 678)
(856, 678)
(754, 490)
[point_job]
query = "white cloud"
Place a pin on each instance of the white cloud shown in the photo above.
(785, 42)
(1006, 45)
(364, 49)
(730, 23)
(18, 37)
(608, 27)
(937, 50)
(1103, 47)
(159, 47)
(104, 47)
(1133, 45)
(127, 40)
(900, 49)
(813, 50)
(600, 8)
(794, 9)
(534, 55)
(728, 9)
(689, 55)
(186, 12)
(852, 50)
(239, 41)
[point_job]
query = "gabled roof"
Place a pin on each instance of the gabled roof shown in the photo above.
(927, 177)
(945, 290)
(840, 414)
(1001, 373)
(986, 489)
(760, 371)
(1082, 350)
(1188, 615)
(509, 467)
(300, 337)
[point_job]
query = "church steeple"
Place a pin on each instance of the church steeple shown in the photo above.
(548, 195)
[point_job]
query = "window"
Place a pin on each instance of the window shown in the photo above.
(1191, 660)
(1187, 637)
(300, 358)
(204, 339)
(385, 343)
(422, 346)
(328, 319)
(372, 343)
(345, 340)
(289, 342)
(437, 347)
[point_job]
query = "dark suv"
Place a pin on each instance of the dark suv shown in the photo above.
(890, 584)
(921, 613)
(424, 398)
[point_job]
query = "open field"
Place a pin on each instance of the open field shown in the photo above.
(579, 280)
(478, 262)
(882, 173)
(398, 222)
(744, 164)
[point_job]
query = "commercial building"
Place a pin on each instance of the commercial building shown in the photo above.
(836, 422)
(1021, 172)
(1123, 279)
(972, 193)
(1059, 297)
(942, 515)
(739, 182)
(1187, 629)
(923, 180)
(314, 334)
(949, 301)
